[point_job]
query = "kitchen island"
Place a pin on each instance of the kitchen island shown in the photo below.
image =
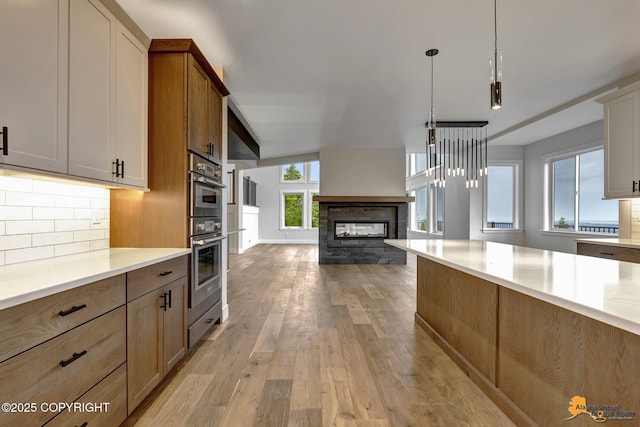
(535, 328)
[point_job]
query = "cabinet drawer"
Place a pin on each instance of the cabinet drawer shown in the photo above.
(145, 280)
(111, 390)
(89, 353)
(29, 324)
(610, 252)
(203, 324)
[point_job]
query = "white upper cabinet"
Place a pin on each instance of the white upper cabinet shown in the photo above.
(33, 83)
(73, 91)
(107, 98)
(622, 142)
(131, 109)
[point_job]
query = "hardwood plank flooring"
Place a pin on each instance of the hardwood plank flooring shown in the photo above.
(311, 345)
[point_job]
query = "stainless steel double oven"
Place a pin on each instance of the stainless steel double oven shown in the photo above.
(205, 218)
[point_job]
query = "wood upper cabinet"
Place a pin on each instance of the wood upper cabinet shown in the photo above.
(197, 108)
(156, 326)
(33, 83)
(107, 98)
(622, 142)
(204, 104)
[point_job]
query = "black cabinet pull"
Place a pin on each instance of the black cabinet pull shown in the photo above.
(169, 298)
(117, 165)
(164, 301)
(75, 357)
(166, 273)
(635, 188)
(607, 253)
(71, 310)
(5, 140)
(84, 424)
(209, 321)
(122, 171)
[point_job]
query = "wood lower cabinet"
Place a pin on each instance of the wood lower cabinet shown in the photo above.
(156, 327)
(63, 368)
(618, 253)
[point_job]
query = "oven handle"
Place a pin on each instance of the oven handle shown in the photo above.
(205, 180)
(203, 242)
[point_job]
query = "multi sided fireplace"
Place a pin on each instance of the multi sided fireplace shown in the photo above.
(352, 229)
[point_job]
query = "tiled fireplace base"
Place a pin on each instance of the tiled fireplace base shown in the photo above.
(341, 248)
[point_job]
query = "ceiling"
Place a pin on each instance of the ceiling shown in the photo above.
(334, 73)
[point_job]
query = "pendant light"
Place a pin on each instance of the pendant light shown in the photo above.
(495, 65)
(431, 121)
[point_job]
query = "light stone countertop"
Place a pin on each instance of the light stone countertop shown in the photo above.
(602, 289)
(623, 243)
(28, 281)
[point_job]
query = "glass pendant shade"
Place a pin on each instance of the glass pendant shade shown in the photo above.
(431, 128)
(495, 70)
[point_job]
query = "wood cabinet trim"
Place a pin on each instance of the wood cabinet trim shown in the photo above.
(189, 46)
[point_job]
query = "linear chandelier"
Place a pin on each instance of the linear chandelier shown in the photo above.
(459, 149)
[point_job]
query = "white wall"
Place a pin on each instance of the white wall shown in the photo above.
(268, 191)
(588, 136)
(362, 172)
(43, 219)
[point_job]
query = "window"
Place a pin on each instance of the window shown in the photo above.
(419, 217)
(314, 171)
(293, 172)
(577, 187)
(502, 197)
(314, 211)
(436, 197)
(417, 163)
(292, 210)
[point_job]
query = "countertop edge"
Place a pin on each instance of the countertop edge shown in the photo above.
(620, 243)
(601, 316)
(62, 286)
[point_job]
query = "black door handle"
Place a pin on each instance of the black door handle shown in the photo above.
(5, 140)
(73, 309)
(164, 301)
(75, 357)
(169, 298)
(122, 171)
(635, 183)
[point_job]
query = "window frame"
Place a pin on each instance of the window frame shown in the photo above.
(517, 197)
(413, 209)
(308, 173)
(310, 203)
(432, 207)
(304, 209)
(549, 192)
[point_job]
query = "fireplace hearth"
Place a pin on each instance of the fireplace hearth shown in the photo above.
(352, 229)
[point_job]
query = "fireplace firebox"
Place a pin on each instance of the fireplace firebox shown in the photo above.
(361, 230)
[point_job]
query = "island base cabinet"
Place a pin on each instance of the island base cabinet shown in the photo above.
(547, 355)
(105, 405)
(449, 301)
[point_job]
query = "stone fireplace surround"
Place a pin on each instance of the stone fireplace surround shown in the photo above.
(333, 250)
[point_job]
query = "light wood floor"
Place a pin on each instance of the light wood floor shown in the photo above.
(310, 345)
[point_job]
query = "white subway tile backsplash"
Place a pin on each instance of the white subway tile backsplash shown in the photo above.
(72, 248)
(15, 242)
(10, 183)
(15, 212)
(53, 213)
(28, 199)
(72, 224)
(29, 227)
(83, 236)
(72, 202)
(83, 214)
(55, 188)
(46, 239)
(30, 254)
(42, 219)
(99, 244)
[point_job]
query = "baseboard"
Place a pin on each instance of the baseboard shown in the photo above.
(496, 395)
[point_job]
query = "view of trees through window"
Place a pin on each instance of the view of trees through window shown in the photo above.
(315, 210)
(578, 186)
(293, 172)
(293, 209)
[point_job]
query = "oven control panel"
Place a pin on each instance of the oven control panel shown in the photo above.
(205, 226)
